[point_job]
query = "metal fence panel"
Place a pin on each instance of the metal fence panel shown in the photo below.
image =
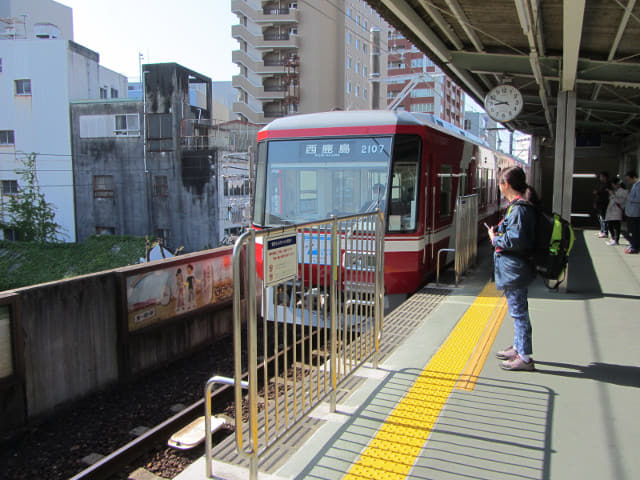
(466, 233)
(316, 327)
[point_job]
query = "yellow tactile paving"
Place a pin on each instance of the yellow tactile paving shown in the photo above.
(476, 362)
(393, 450)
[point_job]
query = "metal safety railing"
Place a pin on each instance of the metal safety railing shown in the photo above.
(319, 293)
(466, 236)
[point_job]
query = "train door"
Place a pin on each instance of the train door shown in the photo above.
(429, 214)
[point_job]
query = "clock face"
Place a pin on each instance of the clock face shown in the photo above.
(503, 103)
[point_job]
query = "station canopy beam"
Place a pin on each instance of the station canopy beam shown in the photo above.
(542, 48)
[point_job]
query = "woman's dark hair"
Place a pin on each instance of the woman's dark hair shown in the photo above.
(631, 174)
(517, 179)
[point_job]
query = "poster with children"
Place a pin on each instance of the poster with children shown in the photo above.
(164, 293)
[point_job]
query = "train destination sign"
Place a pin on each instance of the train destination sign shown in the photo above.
(280, 259)
(370, 147)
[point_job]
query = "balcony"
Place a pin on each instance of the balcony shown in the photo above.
(247, 112)
(268, 67)
(268, 41)
(258, 91)
(266, 15)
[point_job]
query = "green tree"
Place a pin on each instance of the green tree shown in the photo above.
(29, 214)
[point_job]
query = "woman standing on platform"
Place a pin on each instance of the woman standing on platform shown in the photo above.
(514, 239)
(617, 199)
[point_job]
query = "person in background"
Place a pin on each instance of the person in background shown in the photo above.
(632, 210)
(613, 217)
(601, 201)
(514, 241)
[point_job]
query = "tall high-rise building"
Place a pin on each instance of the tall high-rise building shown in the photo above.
(416, 84)
(304, 57)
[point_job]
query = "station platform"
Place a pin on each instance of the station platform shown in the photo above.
(440, 407)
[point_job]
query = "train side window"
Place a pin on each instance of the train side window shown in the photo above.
(445, 191)
(404, 184)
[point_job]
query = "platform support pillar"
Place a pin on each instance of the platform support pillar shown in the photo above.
(564, 154)
(564, 160)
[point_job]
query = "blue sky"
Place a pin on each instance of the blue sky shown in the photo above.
(193, 33)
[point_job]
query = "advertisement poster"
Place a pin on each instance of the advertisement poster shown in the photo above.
(168, 292)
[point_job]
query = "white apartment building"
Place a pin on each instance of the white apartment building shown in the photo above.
(41, 71)
(304, 57)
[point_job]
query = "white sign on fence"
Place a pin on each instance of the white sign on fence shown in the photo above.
(280, 258)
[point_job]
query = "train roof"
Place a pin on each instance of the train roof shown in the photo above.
(369, 118)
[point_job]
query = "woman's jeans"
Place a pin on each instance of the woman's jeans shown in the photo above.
(519, 311)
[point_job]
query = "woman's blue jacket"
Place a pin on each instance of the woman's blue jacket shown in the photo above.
(514, 245)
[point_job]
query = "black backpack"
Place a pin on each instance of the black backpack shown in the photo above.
(554, 241)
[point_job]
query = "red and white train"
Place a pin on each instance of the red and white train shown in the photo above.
(310, 167)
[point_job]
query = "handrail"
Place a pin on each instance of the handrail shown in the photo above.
(207, 415)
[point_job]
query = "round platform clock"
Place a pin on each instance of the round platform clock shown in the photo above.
(503, 103)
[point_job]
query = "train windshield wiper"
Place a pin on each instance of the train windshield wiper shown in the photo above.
(278, 221)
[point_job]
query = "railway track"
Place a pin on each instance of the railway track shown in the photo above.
(115, 464)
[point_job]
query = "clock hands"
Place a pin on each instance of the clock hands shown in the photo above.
(501, 103)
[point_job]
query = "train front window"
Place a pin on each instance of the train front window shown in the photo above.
(307, 180)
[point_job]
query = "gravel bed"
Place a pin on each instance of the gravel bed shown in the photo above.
(100, 423)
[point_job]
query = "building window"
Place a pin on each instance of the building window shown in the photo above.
(7, 137)
(422, 92)
(417, 62)
(348, 12)
(357, 67)
(349, 37)
(348, 87)
(348, 62)
(159, 133)
(160, 186)
(364, 47)
(23, 87)
(364, 93)
(0, 65)
(10, 234)
(364, 71)
(9, 187)
(103, 92)
(114, 93)
(421, 107)
(127, 124)
(357, 90)
(357, 43)
(103, 186)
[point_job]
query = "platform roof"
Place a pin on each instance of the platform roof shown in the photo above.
(542, 47)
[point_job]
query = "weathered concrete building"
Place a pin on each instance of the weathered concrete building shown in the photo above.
(41, 70)
(148, 167)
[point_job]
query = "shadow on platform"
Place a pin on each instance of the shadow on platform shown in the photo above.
(472, 438)
(624, 375)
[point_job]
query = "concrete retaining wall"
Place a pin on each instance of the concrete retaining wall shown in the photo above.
(74, 336)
